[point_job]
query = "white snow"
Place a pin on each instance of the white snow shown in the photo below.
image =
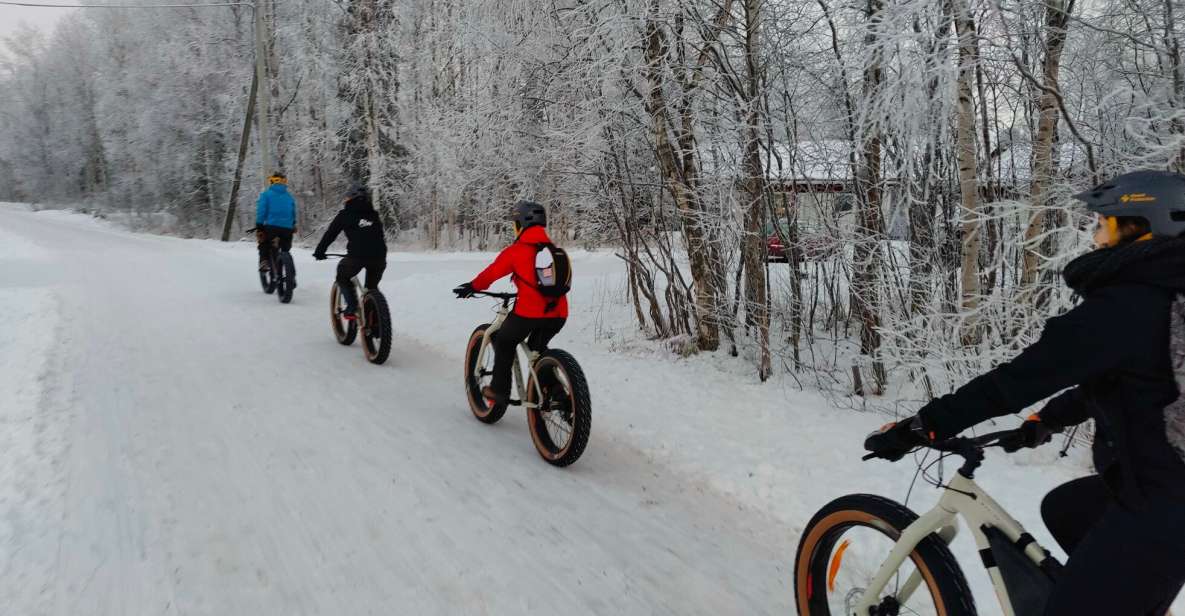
(182, 443)
(31, 433)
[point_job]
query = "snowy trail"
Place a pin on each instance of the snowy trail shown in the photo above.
(209, 451)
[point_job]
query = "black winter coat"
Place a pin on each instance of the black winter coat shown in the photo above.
(1111, 355)
(364, 231)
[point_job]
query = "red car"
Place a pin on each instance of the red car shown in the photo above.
(811, 245)
(775, 251)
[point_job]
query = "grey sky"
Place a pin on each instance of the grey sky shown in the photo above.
(43, 19)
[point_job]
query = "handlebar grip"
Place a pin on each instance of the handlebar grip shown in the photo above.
(870, 456)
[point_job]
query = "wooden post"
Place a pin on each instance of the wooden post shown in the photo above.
(246, 138)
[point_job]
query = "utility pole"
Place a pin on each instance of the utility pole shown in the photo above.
(259, 88)
(243, 141)
(263, 89)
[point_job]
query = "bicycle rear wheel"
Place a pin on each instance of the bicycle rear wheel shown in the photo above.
(376, 338)
(562, 420)
(344, 330)
(845, 544)
(477, 377)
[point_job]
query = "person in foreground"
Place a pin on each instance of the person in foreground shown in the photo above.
(536, 315)
(366, 248)
(275, 217)
(1118, 358)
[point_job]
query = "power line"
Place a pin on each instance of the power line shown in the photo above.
(121, 6)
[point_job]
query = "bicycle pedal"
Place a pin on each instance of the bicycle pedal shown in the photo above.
(514, 402)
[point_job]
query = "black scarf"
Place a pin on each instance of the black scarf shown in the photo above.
(1158, 261)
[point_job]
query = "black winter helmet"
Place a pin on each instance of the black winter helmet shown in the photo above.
(1155, 196)
(528, 214)
(356, 191)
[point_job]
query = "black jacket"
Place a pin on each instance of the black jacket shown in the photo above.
(1111, 356)
(364, 231)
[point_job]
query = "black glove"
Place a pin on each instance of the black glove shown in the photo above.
(320, 256)
(1031, 434)
(464, 290)
(895, 440)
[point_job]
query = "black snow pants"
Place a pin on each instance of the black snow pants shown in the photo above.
(1122, 561)
(349, 267)
(265, 240)
(506, 340)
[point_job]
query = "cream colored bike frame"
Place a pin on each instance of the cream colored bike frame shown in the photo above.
(522, 350)
(961, 497)
(359, 313)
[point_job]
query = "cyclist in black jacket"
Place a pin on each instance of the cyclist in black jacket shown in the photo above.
(366, 245)
(1118, 358)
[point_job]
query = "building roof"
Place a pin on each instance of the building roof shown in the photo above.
(826, 161)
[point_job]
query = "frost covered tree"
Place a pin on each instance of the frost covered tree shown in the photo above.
(912, 159)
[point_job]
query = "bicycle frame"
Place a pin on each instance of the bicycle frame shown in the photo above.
(276, 250)
(522, 350)
(961, 497)
(359, 294)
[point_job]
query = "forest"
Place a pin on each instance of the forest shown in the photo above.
(870, 196)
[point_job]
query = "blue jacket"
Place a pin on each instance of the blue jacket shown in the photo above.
(276, 208)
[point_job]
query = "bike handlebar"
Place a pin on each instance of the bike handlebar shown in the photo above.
(968, 448)
(503, 296)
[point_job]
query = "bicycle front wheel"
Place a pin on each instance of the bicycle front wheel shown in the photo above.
(478, 376)
(376, 338)
(343, 329)
(561, 420)
(265, 281)
(843, 547)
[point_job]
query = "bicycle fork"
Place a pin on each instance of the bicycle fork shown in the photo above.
(947, 528)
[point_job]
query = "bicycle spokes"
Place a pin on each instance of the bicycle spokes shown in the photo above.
(374, 326)
(556, 405)
(853, 563)
(484, 374)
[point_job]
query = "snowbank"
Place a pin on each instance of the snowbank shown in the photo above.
(31, 437)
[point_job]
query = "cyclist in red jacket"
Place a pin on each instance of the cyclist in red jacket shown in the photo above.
(535, 315)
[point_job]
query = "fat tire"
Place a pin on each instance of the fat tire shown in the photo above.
(284, 280)
(383, 313)
(478, 405)
(265, 281)
(945, 581)
(581, 404)
(345, 336)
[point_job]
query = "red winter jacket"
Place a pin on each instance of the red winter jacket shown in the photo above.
(518, 261)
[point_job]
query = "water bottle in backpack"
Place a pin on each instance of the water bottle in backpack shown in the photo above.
(553, 273)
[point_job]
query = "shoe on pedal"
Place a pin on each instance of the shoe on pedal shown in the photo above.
(349, 314)
(494, 397)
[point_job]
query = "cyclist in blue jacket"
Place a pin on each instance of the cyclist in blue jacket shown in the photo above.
(275, 217)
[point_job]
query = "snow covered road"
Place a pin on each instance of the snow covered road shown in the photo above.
(197, 448)
(173, 441)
